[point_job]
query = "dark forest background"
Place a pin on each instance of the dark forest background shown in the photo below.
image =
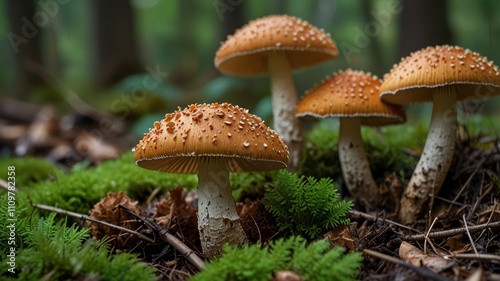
(142, 58)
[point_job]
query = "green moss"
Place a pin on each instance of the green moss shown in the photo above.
(29, 170)
(318, 261)
(305, 206)
(250, 185)
(80, 190)
(320, 158)
(383, 147)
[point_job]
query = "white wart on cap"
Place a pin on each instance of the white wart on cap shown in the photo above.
(443, 75)
(212, 140)
(353, 97)
(276, 45)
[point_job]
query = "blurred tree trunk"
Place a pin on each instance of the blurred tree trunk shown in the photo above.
(115, 48)
(423, 23)
(24, 37)
(374, 46)
(232, 20)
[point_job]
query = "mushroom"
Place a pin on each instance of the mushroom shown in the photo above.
(277, 44)
(443, 75)
(212, 140)
(352, 96)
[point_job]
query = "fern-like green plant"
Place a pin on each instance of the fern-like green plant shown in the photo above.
(318, 261)
(52, 251)
(305, 206)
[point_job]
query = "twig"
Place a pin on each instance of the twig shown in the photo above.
(85, 217)
(427, 236)
(461, 190)
(5, 185)
(487, 257)
(480, 199)
(452, 232)
(470, 237)
(358, 214)
(170, 239)
(423, 272)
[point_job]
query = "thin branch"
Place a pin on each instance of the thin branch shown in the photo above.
(487, 257)
(170, 239)
(462, 189)
(358, 214)
(470, 237)
(422, 271)
(480, 199)
(85, 217)
(427, 236)
(453, 232)
(5, 185)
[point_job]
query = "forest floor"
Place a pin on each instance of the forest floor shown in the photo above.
(457, 240)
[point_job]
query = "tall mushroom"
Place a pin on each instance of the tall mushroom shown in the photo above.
(212, 140)
(277, 44)
(443, 75)
(352, 96)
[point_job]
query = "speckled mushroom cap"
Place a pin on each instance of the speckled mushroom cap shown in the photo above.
(176, 143)
(475, 76)
(350, 94)
(245, 52)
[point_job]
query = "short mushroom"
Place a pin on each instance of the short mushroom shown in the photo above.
(443, 75)
(212, 140)
(277, 44)
(352, 96)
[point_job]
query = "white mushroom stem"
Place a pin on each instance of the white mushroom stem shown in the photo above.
(355, 167)
(284, 102)
(218, 221)
(436, 157)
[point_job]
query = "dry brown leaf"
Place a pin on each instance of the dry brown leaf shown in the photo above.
(391, 190)
(95, 148)
(455, 245)
(108, 210)
(176, 215)
(341, 237)
(416, 257)
(476, 275)
(256, 221)
(491, 211)
(41, 133)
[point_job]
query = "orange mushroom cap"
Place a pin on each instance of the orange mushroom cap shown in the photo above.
(176, 143)
(350, 94)
(432, 67)
(245, 52)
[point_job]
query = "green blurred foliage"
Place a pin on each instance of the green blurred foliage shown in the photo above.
(182, 37)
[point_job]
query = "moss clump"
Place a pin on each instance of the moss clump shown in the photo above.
(29, 170)
(318, 261)
(79, 190)
(46, 249)
(320, 158)
(250, 185)
(383, 147)
(305, 206)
